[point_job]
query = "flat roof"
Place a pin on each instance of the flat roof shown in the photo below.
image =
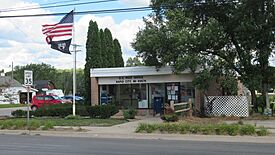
(132, 71)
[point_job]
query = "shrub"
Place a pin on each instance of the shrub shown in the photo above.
(19, 124)
(6, 124)
(207, 129)
(129, 114)
(195, 129)
(247, 130)
(34, 125)
(63, 110)
(56, 110)
(48, 125)
(184, 128)
(20, 113)
(262, 131)
(233, 130)
(170, 117)
(60, 110)
(82, 110)
(148, 128)
(219, 129)
(102, 111)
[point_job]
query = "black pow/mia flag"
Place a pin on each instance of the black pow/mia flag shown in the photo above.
(61, 45)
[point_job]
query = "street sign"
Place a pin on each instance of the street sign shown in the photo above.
(28, 78)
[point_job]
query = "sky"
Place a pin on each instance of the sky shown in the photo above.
(22, 41)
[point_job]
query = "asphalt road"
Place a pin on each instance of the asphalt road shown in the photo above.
(7, 111)
(40, 145)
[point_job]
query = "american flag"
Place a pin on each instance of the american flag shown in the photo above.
(62, 29)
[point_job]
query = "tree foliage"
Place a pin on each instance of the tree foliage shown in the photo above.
(93, 57)
(101, 52)
(131, 62)
(62, 78)
(104, 52)
(109, 48)
(205, 32)
(118, 54)
(40, 72)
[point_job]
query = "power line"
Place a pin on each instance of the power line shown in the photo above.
(136, 9)
(62, 5)
(28, 6)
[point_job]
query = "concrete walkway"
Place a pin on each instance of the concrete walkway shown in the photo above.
(126, 128)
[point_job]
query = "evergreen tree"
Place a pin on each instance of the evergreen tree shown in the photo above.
(93, 57)
(109, 47)
(118, 54)
(104, 54)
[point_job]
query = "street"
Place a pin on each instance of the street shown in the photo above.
(40, 145)
(7, 111)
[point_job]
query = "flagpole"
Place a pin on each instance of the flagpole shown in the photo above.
(74, 80)
(74, 70)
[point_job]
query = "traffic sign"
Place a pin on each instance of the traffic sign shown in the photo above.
(28, 78)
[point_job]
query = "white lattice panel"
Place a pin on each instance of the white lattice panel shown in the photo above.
(227, 105)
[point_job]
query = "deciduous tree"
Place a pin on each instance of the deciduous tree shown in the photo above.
(239, 33)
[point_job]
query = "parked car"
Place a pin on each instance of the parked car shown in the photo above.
(78, 99)
(43, 100)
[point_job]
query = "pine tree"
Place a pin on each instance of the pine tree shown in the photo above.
(118, 54)
(93, 56)
(104, 54)
(109, 47)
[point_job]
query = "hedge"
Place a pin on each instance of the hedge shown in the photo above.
(63, 110)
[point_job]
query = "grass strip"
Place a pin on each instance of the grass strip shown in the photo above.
(11, 105)
(205, 129)
(48, 123)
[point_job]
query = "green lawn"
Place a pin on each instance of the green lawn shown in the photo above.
(11, 105)
(35, 123)
(81, 121)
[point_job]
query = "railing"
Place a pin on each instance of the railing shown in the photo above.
(184, 107)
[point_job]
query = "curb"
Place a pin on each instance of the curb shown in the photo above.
(89, 134)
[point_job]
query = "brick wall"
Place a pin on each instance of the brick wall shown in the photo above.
(94, 91)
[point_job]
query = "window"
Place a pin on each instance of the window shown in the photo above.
(172, 92)
(48, 97)
(39, 98)
(186, 91)
(55, 97)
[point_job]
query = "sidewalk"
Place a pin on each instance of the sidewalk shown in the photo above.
(127, 131)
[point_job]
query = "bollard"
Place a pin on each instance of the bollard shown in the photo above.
(190, 107)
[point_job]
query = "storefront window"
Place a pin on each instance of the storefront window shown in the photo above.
(107, 94)
(125, 96)
(187, 91)
(172, 92)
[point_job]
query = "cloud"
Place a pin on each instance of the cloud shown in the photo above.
(136, 2)
(22, 41)
(124, 31)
